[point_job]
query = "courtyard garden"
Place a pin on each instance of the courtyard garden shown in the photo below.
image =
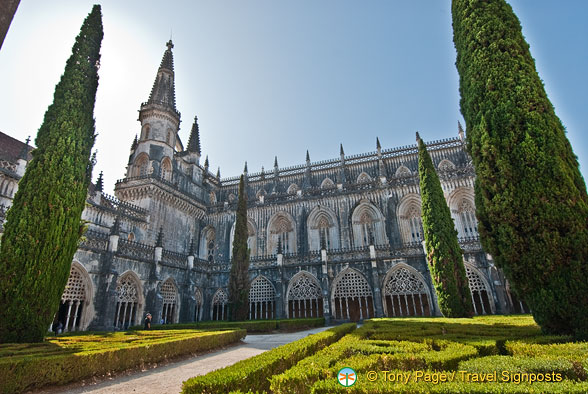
(72, 357)
(486, 354)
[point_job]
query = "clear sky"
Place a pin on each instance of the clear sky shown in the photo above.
(269, 77)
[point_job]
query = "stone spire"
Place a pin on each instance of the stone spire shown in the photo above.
(276, 162)
(341, 151)
(218, 173)
(245, 168)
(100, 182)
(163, 92)
(194, 140)
(460, 131)
(307, 157)
(206, 164)
(378, 146)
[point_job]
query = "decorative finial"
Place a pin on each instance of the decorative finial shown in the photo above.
(418, 137)
(378, 146)
(245, 168)
(218, 173)
(159, 242)
(135, 143)
(307, 156)
(276, 161)
(28, 140)
(24, 153)
(100, 182)
(115, 226)
(341, 151)
(206, 162)
(460, 131)
(169, 45)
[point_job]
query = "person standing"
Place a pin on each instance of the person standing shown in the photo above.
(148, 321)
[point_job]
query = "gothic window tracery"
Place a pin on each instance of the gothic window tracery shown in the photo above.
(367, 228)
(127, 297)
(364, 178)
(403, 171)
(293, 189)
(219, 305)
(261, 299)
(467, 217)
(480, 292)
(166, 170)
(352, 297)
(405, 294)
(327, 183)
(446, 165)
(142, 165)
(415, 223)
(282, 229)
(323, 226)
(304, 297)
(169, 293)
(73, 301)
(145, 132)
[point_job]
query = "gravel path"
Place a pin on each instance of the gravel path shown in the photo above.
(169, 378)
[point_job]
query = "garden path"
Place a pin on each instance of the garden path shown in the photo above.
(169, 378)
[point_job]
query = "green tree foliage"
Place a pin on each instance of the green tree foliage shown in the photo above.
(531, 199)
(43, 226)
(239, 277)
(443, 252)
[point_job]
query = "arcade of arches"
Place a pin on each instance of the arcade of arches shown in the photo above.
(352, 297)
(405, 294)
(261, 299)
(304, 297)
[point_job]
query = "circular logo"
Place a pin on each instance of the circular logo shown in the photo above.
(346, 377)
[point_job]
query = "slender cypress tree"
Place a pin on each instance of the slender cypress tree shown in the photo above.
(43, 225)
(239, 277)
(443, 252)
(531, 199)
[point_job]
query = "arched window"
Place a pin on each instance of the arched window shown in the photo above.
(166, 169)
(251, 238)
(415, 223)
(364, 178)
(127, 302)
(261, 299)
(467, 218)
(322, 229)
(168, 138)
(446, 165)
(480, 292)
(367, 228)
(327, 183)
(197, 305)
(207, 244)
(281, 227)
(304, 297)
(402, 172)
(169, 294)
(368, 225)
(73, 301)
(352, 297)
(145, 132)
(405, 294)
(142, 165)
(219, 305)
(293, 189)
(409, 214)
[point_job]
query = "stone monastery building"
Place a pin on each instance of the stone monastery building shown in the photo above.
(339, 238)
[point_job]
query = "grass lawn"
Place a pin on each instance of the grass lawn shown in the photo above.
(67, 358)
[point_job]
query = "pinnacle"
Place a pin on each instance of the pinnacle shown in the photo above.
(194, 140)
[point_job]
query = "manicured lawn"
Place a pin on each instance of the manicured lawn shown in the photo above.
(68, 358)
(486, 354)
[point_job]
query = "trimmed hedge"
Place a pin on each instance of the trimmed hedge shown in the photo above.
(66, 359)
(249, 325)
(253, 373)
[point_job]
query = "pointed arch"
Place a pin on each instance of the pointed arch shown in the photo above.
(198, 303)
(322, 226)
(166, 169)
(363, 178)
(327, 183)
(76, 304)
(481, 291)
(403, 171)
(293, 188)
(463, 210)
(281, 225)
(251, 238)
(405, 292)
(368, 225)
(446, 165)
(145, 131)
(218, 310)
(409, 217)
(304, 296)
(142, 165)
(169, 294)
(351, 296)
(207, 243)
(129, 300)
(262, 299)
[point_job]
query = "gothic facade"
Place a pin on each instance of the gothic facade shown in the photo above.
(339, 238)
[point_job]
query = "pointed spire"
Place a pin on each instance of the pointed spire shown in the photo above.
(163, 91)
(378, 146)
(206, 163)
(341, 151)
(99, 182)
(194, 140)
(135, 143)
(276, 161)
(418, 137)
(218, 173)
(24, 153)
(245, 169)
(460, 131)
(191, 248)
(307, 156)
(159, 242)
(115, 226)
(262, 173)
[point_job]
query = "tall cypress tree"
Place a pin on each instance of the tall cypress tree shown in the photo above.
(443, 252)
(43, 225)
(239, 277)
(531, 199)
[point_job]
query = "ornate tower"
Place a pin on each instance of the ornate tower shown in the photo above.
(160, 122)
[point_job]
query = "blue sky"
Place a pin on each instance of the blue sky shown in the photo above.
(270, 77)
